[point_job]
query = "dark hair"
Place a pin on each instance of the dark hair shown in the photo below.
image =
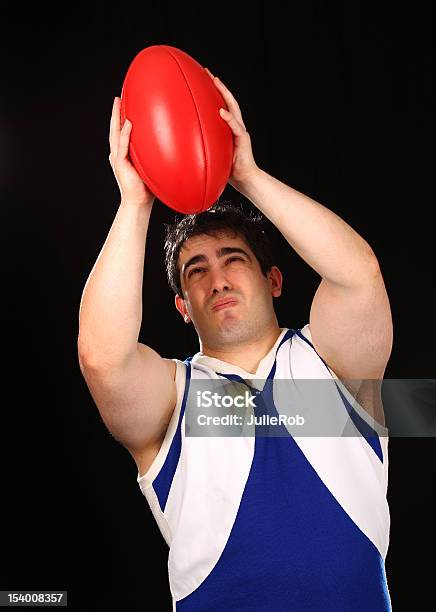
(223, 216)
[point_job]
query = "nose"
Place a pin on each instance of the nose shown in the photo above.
(219, 281)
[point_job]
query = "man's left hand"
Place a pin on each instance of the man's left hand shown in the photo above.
(244, 165)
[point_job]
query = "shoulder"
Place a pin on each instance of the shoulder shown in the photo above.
(172, 367)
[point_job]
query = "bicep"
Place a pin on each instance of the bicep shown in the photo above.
(136, 400)
(351, 327)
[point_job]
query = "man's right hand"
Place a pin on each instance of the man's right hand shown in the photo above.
(132, 187)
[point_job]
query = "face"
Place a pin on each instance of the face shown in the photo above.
(225, 294)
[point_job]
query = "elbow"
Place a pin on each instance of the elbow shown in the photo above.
(370, 268)
(93, 360)
(89, 358)
(369, 256)
(372, 260)
(86, 357)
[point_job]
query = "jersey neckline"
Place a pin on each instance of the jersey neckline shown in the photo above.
(263, 368)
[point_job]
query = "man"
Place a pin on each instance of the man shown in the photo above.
(253, 522)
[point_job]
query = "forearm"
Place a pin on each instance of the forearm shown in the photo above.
(111, 306)
(324, 240)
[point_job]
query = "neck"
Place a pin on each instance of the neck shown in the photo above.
(246, 355)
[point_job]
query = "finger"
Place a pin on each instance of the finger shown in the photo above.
(235, 125)
(231, 102)
(114, 130)
(123, 145)
(228, 97)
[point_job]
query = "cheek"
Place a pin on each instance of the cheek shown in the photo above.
(259, 290)
(193, 300)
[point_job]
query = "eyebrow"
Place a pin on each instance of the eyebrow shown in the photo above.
(222, 252)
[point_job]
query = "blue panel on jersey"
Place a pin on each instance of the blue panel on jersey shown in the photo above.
(362, 426)
(162, 482)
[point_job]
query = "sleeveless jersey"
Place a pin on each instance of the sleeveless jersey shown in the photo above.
(273, 523)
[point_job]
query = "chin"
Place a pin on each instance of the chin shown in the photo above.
(233, 329)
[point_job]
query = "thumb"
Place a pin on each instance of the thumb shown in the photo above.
(123, 145)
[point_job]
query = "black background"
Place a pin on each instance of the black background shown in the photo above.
(339, 101)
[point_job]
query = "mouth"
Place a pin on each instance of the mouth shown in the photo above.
(224, 304)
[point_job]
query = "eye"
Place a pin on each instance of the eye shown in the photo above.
(235, 259)
(194, 271)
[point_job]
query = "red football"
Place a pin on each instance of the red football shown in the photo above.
(179, 144)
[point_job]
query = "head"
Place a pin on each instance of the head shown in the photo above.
(223, 254)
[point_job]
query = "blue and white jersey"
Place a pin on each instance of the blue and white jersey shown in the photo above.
(273, 523)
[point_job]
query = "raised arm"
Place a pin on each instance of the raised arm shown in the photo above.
(350, 318)
(132, 386)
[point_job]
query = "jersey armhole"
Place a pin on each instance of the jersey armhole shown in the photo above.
(380, 430)
(146, 480)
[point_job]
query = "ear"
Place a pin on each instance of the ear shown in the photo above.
(181, 307)
(276, 281)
